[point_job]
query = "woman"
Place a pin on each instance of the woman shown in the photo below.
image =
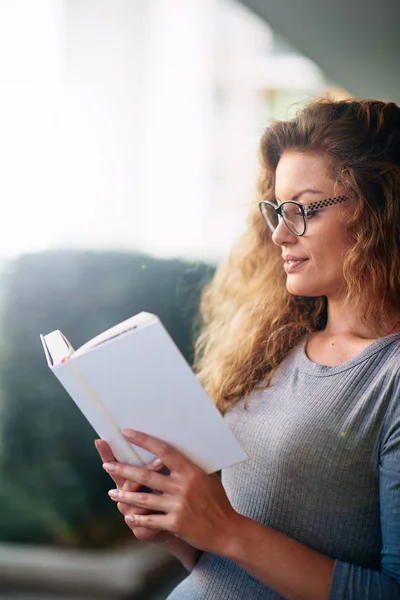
(301, 351)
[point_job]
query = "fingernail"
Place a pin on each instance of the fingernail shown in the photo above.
(108, 466)
(130, 518)
(157, 462)
(113, 493)
(128, 432)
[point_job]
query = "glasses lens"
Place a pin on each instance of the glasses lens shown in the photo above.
(270, 216)
(293, 217)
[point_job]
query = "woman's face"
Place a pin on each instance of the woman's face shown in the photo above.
(304, 177)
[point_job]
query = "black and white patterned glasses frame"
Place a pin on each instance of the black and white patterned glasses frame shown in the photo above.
(305, 211)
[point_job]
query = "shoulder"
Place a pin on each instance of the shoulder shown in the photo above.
(388, 358)
(391, 425)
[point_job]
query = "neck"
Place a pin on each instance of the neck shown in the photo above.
(346, 320)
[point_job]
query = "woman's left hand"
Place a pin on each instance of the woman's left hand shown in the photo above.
(193, 505)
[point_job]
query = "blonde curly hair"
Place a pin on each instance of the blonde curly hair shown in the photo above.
(250, 322)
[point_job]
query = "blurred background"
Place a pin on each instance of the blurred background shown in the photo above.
(128, 161)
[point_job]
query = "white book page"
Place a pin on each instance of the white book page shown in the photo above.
(138, 320)
(56, 347)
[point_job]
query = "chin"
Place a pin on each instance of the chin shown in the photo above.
(301, 288)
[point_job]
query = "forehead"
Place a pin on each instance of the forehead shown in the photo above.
(302, 170)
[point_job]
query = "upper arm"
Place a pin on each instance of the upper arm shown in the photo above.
(389, 491)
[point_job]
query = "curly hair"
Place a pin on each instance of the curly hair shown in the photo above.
(250, 322)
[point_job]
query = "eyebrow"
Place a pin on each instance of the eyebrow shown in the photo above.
(306, 191)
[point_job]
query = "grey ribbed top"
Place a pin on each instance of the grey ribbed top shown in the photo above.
(324, 468)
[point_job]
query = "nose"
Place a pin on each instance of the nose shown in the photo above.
(282, 236)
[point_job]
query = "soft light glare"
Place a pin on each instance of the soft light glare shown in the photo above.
(133, 125)
(31, 81)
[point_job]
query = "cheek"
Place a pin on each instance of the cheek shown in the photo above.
(324, 276)
(328, 254)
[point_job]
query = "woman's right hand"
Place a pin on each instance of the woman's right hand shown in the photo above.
(155, 536)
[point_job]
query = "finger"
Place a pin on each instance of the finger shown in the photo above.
(140, 475)
(104, 450)
(170, 456)
(130, 486)
(163, 522)
(152, 502)
(144, 534)
(127, 509)
(106, 455)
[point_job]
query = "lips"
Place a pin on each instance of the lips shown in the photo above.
(293, 263)
(289, 257)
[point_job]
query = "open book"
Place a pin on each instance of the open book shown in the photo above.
(133, 376)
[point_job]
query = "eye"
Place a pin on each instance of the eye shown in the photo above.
(311, 214)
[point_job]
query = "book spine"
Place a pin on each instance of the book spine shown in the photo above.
(90, 404)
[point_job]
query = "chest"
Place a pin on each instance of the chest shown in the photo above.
(335, 351)
(317, 437)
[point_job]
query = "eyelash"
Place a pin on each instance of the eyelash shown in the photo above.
(311, 214)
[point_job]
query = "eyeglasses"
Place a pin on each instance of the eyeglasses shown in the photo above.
(294, 214)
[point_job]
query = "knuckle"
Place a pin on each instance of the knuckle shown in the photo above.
(139, 511)
(143, 499)
(194, 477)
(130, 486)
(146, 521)
(176, 522)
(146, 476)
(163, 448)
(191, 482)
(180, 507)
(186, 489)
